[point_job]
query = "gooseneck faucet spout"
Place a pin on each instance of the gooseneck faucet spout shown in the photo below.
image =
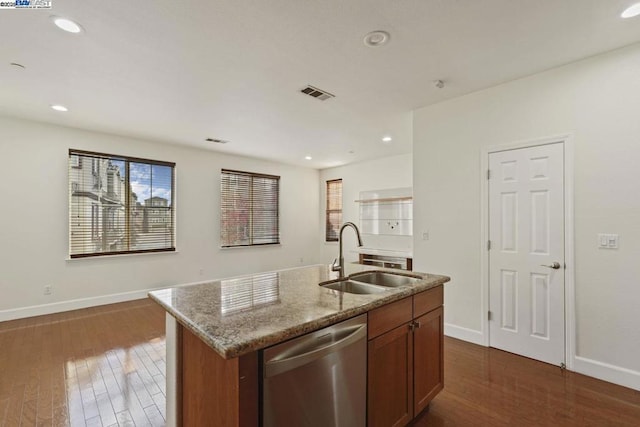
(340, 266)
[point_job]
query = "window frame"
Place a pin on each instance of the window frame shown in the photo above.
(95, 223)
(328, 211)
(251, 237)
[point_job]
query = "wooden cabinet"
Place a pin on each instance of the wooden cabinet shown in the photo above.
(405, 360)
(404, 373)
(215, 390)
(390, 365)
(428, 369)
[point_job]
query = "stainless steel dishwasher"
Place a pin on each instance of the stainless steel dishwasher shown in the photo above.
(318, 379)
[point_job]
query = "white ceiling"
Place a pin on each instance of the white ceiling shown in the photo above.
(182, 71)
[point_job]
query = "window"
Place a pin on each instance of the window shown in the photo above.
(249, 209)
(110, 200)
(334, 209)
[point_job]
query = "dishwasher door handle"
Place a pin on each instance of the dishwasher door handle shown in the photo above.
(277, 366)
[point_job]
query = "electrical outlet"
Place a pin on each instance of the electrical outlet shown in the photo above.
(201, 271)
(425, 235)
(47, 290)
(301, 260)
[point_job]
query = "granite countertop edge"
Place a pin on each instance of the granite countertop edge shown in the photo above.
(246, 346)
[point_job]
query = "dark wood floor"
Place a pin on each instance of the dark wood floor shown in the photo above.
(489, 387)
(105, 366)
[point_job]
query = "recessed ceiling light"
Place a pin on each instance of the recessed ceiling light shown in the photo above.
(376, 38)
(60, 108)
(66, 24)
(387, 139)
(631, 11)
(308, 157)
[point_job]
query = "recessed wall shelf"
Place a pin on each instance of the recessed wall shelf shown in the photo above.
(387, 212)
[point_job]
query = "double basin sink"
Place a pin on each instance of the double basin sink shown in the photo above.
(371, 282)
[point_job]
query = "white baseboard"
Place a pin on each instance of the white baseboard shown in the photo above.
(75, 304)
(464, 334)
(606, 372)
(58, 307)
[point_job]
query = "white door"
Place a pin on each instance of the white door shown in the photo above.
(526, 257)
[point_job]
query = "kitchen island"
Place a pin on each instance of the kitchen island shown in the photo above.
(215, 331)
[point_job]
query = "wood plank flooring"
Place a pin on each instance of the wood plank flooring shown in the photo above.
(102, 366)
(489, 387)
(105, 366)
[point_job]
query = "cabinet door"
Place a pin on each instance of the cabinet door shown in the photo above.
(390, 378)
(428, 365)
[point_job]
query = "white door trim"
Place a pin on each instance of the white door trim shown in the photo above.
(567, 141)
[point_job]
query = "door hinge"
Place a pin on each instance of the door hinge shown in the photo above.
(488, 173)
(488, 245)
(489, 315)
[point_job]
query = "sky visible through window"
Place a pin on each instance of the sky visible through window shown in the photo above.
(147, 180)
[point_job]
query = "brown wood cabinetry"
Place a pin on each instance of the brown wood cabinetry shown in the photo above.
(405, 369)
(405, 358)
(215, 390)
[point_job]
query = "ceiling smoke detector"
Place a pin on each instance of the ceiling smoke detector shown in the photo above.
(377, 38)
(216, 140)
(314, 92)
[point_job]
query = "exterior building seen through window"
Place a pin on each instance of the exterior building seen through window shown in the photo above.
(119, 205)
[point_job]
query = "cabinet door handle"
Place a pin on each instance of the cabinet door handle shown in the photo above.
(416, 325)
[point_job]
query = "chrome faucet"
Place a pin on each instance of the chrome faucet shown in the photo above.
(340, 266)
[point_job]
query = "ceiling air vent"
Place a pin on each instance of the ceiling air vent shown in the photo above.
(317, 93)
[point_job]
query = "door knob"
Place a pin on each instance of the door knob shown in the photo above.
(555, 265)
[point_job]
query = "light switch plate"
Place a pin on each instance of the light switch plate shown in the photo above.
(608, 241)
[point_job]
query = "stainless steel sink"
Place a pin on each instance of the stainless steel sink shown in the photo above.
(353, 287)
(384, 278)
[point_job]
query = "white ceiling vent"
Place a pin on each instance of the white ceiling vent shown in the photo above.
(317, 93)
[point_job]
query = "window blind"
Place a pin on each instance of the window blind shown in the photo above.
(334, 209)
(119, 205)
(249, 204)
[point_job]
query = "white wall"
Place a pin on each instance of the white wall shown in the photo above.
(596, 100)
(34, 232)
(379, 174)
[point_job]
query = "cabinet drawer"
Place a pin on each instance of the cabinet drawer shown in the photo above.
(387, 317)
(426, 301)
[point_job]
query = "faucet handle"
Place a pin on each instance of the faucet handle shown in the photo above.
(334, 265)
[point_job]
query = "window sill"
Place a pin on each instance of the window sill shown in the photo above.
(68, 258)
(231, 248)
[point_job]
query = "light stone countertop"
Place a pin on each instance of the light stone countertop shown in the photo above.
(239, 315)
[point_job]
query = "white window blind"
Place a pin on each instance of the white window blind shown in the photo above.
(334, 209)
(119, 205)
(249, 204)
